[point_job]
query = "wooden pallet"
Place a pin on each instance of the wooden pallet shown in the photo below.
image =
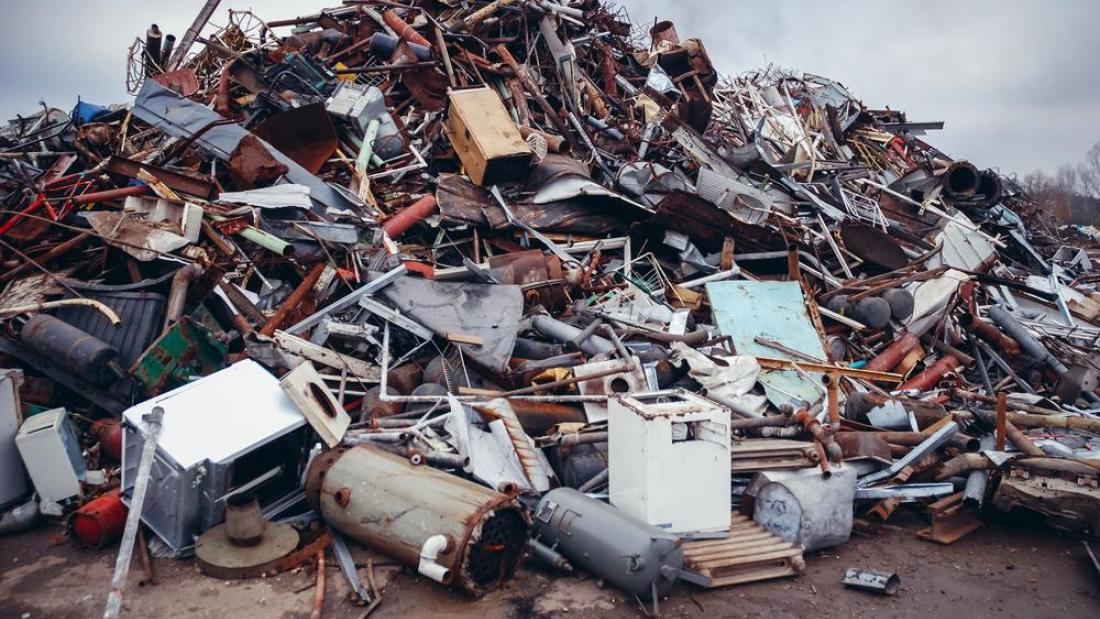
(749, 554)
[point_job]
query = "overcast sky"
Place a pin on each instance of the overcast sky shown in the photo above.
(1015, 80)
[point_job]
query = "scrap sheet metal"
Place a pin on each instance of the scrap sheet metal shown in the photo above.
(775, 311)
(183, 118)
(489, 312)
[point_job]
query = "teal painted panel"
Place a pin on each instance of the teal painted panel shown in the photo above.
(744, 310)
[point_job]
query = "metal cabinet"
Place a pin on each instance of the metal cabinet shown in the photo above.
(669, 460)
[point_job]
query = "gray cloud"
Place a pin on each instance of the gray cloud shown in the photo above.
(1014, 79)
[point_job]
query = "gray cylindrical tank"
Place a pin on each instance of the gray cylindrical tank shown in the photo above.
(86, 356)
(630, 554)
(804, 508)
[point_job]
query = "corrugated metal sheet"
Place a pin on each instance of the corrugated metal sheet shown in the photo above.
(141, 312)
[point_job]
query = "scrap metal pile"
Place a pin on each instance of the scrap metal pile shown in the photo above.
(473, 281)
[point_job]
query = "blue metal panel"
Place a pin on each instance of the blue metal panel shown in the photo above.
(746, 310)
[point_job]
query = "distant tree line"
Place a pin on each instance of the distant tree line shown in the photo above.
(1072, 193)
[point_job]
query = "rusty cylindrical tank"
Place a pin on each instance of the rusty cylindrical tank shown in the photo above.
(99, 521)
(451, 530)
(109, 433)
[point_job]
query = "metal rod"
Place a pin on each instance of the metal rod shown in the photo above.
(153, 421)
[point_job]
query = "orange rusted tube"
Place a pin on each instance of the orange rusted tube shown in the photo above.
(403, 29)
(293, 301)
(991, 334)
(1002, 420)
(889, 358)
(319, 593)
(397, 225)
(832, 394)
(810, 423)
(931, 375)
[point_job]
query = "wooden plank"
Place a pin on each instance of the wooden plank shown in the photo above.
(811, 366)
(695, 553)
(754, 576)
(720, 558)
(463, 338)
(732, 541)
(779, 554)
(752, 545)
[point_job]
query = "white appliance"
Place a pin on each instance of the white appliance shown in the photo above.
(13, 479)
(669, 460)
(230, 432)
(51, 452)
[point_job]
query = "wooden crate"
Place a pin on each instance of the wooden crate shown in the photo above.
(749, 554)
(485, 138)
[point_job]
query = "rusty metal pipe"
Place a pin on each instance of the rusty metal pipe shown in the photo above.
(319, 593)
(832, 392)
(403, 29)
(899, 451)
(822, 460)
(538, 417)
(403, 510)
(892, 355)
(149, 575)
(404, 219)
(293, 301)
(1021, 441)
(963, 464)
(931, 375)
(991, 334)
(693, 338)
(948, 349)
(112, 194)
(177, 295)
(813, 426)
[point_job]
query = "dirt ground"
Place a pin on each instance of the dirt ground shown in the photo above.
(1003, 570)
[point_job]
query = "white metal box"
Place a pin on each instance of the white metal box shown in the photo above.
(51, 452)
(232, 431)
(669, 460)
